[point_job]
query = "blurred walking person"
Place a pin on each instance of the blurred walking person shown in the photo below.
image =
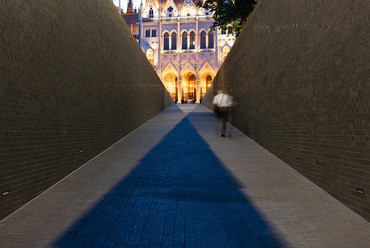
(222, 104)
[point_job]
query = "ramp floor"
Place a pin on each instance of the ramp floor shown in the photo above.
(174, 182)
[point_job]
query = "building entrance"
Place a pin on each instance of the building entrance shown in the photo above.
(191, 91)
(170, 81)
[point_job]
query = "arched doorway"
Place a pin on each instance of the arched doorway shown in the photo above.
(170, 81)
(192, 93)
(208, 81)
(150, 56)
(225, 52)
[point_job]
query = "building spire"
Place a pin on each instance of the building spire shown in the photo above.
(130, 7)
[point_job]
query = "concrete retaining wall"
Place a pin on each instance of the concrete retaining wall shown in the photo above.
(300, 72)
(73, 81)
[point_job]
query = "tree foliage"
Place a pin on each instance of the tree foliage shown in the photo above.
(229, 14)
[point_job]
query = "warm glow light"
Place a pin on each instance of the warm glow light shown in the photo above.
(209, 85)
(191, 85)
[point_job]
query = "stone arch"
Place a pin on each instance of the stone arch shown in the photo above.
(189, 86)
(203, 39)
(173, 37)
(188, 68)
(203, 29)
(150, 55)
(192, 39)
(166, 40)
(170, 67)
(211, 39)
(206, 78)
(225, 52)
(205, 82)
(184, 30)
(170, 82)
(206, 66)
(184, 39)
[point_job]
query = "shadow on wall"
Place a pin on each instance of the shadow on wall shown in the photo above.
(178, 196)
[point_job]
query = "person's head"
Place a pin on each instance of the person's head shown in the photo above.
(220, 91)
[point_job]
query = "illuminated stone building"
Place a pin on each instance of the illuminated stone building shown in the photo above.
(131, 18)
(176, 37)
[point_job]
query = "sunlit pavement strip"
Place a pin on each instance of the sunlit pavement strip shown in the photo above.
(175, 183)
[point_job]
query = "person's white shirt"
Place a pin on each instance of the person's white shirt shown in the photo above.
(223, 100)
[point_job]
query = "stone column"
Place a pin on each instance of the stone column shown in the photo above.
(197, 41)
(179, 91)
(178, 36)
(216, 48)
(198, 90)
(159, 44)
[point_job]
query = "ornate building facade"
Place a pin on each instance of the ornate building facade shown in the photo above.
(176, 37)
(131, 18)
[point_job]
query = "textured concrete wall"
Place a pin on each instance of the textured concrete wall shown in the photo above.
(300, 72)
(73, 81)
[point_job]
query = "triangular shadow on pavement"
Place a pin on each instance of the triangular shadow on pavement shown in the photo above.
(180, 195)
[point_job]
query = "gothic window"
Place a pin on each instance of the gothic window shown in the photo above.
(154, 32)
(147, 33)
(192, 40)
(203, 40)
(184, 40)
(151, 13)
(223, 31)
(166, 45)
(173, 41)
(170, 9)
(211, 40)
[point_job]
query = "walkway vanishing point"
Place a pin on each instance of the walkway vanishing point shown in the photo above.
(175, 183)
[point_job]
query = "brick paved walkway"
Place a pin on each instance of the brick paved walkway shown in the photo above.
(175, 183)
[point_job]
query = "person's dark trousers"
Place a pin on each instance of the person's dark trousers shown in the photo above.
(224, 114)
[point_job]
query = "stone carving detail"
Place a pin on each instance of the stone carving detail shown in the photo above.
(169, 27)
(186, 26)
(205, 25)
